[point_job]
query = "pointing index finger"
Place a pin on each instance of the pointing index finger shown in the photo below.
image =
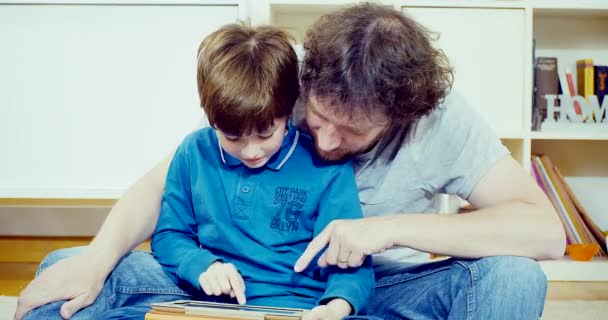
(314, 247)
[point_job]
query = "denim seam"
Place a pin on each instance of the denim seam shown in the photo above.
(138, 290)
(399, 278)
(474, 273)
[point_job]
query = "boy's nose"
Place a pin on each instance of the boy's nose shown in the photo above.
(252, 151)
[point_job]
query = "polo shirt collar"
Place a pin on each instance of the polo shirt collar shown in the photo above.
(276, 162)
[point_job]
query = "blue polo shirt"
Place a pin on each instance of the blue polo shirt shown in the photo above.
(261, 220)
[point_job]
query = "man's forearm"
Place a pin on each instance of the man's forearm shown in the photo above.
(515, 228)
(132, 220)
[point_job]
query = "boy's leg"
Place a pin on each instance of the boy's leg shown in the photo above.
(489, 288)
(136, 279)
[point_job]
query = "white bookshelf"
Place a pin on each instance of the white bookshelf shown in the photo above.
(572, 30)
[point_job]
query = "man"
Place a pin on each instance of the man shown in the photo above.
(376, 91)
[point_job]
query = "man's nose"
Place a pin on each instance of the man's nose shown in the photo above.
(328, 138)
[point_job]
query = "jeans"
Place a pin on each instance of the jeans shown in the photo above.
(137, 280)
(502, 287)
(489, 288)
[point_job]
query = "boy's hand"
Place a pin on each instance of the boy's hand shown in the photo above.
(334, 310)
(223, 278)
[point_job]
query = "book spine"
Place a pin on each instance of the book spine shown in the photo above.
(584, 77)
(601, 84)
(545, 82)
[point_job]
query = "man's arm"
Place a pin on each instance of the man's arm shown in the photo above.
(514, 217)
(80, 278)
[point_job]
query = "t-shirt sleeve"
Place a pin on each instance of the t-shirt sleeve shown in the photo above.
(470, 147)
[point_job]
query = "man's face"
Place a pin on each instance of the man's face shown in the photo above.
(339, 136)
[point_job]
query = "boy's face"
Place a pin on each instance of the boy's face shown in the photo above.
(256, 148)
(337, 136)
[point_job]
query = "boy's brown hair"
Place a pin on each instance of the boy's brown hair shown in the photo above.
(247, 77)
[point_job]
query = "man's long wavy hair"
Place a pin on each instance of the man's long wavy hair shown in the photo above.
(370, 58)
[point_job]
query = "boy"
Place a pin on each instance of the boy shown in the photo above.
(245, 197)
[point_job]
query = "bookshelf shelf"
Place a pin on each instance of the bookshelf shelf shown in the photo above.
(566, 269)
(556, 6)
(569, 135)
(498, 4)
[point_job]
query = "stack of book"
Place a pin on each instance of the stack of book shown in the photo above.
(589, 80)
(579, 227)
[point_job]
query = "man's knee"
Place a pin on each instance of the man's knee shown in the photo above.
(515, 276)
(57, 255)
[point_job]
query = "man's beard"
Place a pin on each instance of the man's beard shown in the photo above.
(341, 155)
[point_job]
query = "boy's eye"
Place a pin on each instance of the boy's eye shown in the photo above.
(266, 134)
(231, 138)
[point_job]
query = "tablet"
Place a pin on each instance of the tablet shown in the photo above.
(213, 310)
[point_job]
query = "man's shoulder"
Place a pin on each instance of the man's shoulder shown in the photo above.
(447, 121)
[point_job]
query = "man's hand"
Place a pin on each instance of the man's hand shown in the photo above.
(77, 279)
(349, 242)
(336, 309)
(223, 278)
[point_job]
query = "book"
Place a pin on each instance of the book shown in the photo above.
(571, 232)
(584, 77)
(578, 225)
(595, 230)
(541, 182)
(545, 82)
(600, 84)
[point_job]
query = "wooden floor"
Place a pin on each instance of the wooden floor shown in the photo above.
(20, 256)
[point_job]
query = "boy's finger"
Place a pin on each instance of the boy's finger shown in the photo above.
(314, 247)
(206, 289)
(238, 287)
(224, 283)
(214, 286)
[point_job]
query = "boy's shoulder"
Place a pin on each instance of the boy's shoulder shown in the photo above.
(200, 136)
(198, 142)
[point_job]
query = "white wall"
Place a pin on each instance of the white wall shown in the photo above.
(92, 96)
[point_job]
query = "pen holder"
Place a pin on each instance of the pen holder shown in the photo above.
(581, 251)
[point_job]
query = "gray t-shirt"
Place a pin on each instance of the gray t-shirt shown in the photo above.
(448, 151)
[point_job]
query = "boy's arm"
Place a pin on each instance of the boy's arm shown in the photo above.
(79, 278)
(175, 241)
(341, 201)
